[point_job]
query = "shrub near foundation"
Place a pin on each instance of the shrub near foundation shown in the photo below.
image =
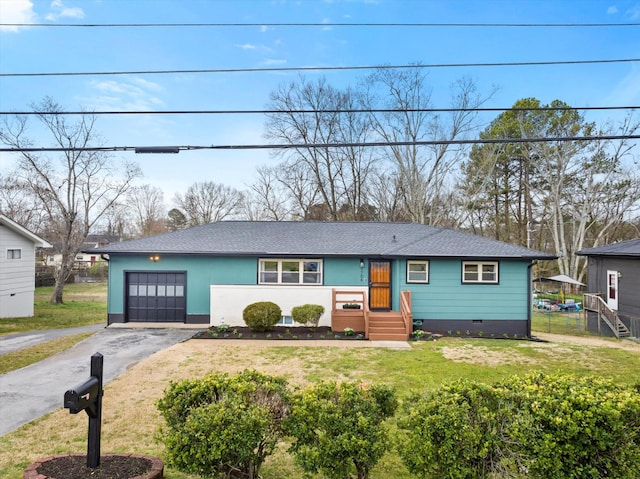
(262, 316)
(537, 426)
(308, 314)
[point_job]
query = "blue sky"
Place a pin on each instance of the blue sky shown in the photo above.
(62, 49)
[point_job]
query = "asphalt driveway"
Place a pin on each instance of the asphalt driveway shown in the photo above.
(30, 392)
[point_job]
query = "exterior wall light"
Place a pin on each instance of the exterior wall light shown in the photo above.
(154, 258)
(361, 263)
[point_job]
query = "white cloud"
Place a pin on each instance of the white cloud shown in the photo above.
(135, 94)
(59, 10)
(273, 61)
(17, 11)
(612, 10)
(634, 12)
(627, 90)
(246, 46)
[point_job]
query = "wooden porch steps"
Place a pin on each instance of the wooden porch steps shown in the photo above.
(387, 326)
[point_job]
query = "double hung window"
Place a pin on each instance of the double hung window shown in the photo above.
(480, 272)
(417, 271)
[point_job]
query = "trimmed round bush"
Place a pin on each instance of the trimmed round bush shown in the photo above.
(262, 316)
(308, 314)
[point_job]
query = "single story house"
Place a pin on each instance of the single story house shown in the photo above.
(17, 268)
(390, 276)
(613, 285)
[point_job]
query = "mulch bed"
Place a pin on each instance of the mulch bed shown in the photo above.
(277, 333)
(112, 466)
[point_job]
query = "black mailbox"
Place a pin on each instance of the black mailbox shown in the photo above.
(88, 397)
(84, 396)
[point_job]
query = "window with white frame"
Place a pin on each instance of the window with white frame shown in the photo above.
(480, 272)
(290, 271)
(417, 271)
(14, 253)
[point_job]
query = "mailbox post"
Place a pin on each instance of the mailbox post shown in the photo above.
(88, 397)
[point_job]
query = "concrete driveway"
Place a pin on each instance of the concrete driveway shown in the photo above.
(30, 392)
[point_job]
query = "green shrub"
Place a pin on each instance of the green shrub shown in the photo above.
(308, 314)
(262, 316)
(223, 425)
(450, 433)
(536, 427)
(338, 429)
(583, 427)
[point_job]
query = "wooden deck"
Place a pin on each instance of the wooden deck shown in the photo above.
(376, 325)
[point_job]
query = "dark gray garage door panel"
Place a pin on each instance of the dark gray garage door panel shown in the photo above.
(156, 296)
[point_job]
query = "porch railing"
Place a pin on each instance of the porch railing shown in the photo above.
(595, 303)
(405, 310)
(360, 307)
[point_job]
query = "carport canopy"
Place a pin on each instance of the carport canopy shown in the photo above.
(560, 278)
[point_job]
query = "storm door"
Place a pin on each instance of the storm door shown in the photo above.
(380, 285)
(612, 289)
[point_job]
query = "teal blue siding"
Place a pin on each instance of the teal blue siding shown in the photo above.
(345, 272)
(447, 298)
(444, 298)
(201, 271)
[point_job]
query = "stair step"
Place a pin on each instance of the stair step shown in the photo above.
(391, 330)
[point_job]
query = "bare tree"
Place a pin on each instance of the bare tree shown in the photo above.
(315, 113)
(586, 187)
(421, 170)
(75, 188)
(146, 204)
(207, 202)
(17, 203)
(268, 197)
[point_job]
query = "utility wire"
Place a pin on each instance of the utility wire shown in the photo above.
(287, 112)
(176, 149)
(429, 25)
(319, 68)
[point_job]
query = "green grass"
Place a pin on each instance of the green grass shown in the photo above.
(84, 304)
(559, 323)
(26, 356)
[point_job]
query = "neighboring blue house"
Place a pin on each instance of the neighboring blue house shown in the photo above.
(397, 274)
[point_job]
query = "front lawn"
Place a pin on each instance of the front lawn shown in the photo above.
(131, 420)
(84, 304)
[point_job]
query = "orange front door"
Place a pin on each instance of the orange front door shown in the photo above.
(380, 285)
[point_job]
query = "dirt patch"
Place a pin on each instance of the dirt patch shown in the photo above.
(628, 344)
(552, 347)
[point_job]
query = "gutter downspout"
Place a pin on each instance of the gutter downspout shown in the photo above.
(529, 297)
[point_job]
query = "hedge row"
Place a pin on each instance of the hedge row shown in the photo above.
(537, 426)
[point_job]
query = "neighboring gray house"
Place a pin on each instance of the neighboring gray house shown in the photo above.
(396, 274)
(17, 268)
(613, 286)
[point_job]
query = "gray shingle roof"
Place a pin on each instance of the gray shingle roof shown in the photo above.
(623, 248)
(297, 238)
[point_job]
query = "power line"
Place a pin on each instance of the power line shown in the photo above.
(350, 110)
(320, 68)
(300, 24)
(176, 149)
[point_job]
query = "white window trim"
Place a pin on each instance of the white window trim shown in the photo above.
(425, 262)
(480, 265)
(301, 262)
(13, 253)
